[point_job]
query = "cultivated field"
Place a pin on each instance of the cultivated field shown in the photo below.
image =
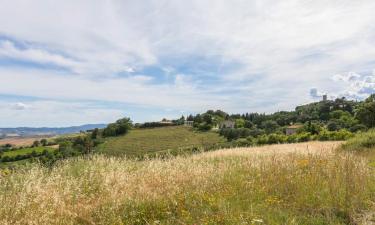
(25, 151)
(141, 141)
(20, 141)
(307, 183)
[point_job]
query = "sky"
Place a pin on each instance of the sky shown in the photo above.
(74, 62)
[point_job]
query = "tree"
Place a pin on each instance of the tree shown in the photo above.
(333, 125)
(65, 146)
(190, 118)
(337, 114)
(88, 145)
(366, 112)
(44, 142)
(270, 126)
(248, 124)
(239, 123)
(312, 127)
(36, 143)
(122, 126)
(95, 133)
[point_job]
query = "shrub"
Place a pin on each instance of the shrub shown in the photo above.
(243, 142)
(358, 127)
(276, 139)
(361, 142)
(292, 138)
(262, 140)
(204, 127)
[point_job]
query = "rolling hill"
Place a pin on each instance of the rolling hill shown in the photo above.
(140, 141)
(36, 131)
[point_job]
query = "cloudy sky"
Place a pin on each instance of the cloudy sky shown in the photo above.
(73, 62)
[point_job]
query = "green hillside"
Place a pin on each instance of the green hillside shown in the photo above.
(141, 141)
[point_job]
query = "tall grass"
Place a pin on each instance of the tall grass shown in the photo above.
(305, 184)
(361, 142)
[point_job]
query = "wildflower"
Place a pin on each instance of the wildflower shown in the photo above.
(303, 163)
(256, 221)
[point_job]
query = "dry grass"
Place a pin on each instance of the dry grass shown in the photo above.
(324, 148)
(281, 184)
(21, 141)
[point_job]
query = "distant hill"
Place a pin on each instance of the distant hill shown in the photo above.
(36, 131)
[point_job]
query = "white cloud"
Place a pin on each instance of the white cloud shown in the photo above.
(7, 49)
(20, 106)
(315, 93)
(280, 50)
(55, 113)
(354, 85)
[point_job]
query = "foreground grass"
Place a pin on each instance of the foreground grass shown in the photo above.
(281, 184)
(362, 144)
(142, 141)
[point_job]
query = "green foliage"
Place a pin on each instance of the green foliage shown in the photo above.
(361, 142)
(95, 133)
(24, 153)
(145, 141)
(121, 127)
(340, 135)
(240, 123)
(36, 143)
(366, 112)
(44, 142)
(270, 126)
(358, 127)
(155, 124)
(312, 127)
(205, 126)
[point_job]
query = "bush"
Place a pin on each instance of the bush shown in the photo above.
(243, 142)
(262, 140)
(303, 137)
(122, 126)
(333, 125)
(276, 139)
(358, 127)
(204, 127)
(292, 138)
(340, 135)
(361, 142)
(155, 124)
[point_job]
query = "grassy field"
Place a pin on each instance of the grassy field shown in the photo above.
(141, 141)
(25, 151)
(305, 183)
(21, 141)
(364, 145)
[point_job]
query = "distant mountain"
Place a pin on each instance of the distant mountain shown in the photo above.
(36, 131)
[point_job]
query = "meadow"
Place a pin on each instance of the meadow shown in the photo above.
(20, 141)
(141, 141)
(25, 151)
(305, 183)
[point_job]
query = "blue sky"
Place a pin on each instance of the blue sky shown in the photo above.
(74, 62)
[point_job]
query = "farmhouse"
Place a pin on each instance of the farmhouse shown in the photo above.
(227, 124)
(166, 122)
(188, 123)
(292, 129)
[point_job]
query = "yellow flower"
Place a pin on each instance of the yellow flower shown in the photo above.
(303, 163)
